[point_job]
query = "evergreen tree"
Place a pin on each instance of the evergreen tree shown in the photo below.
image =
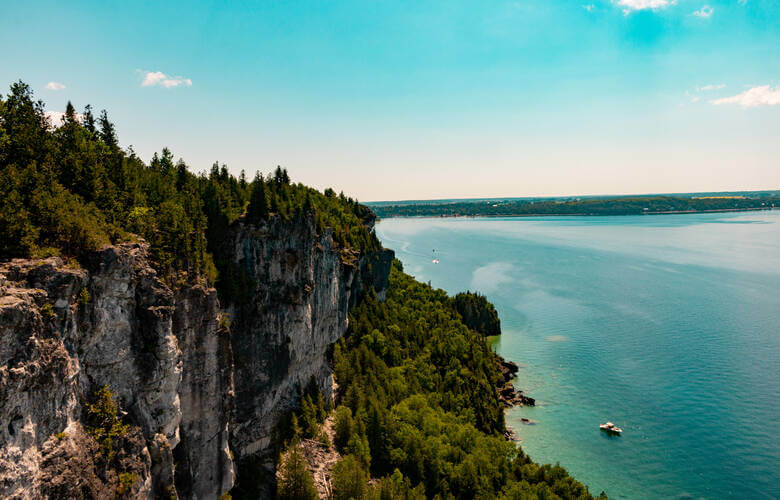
(181, 175)
(350, 479)
(307, 205)
(295, 480)
(70, 113)
(88, 120)
(281, 177)
(343, 427)
(107, 131)
(258, 207)
(166, 162)
(26, 128)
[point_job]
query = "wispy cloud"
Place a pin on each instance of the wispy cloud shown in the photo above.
(589, 7)
(692, 98)
(707, 88)
(705, 12)
(55, 86)
(158, 78)
(763, 95)
(631, 5)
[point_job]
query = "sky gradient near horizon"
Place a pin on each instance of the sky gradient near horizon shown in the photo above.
(428, 99)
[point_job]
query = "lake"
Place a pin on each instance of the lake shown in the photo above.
(666, 325)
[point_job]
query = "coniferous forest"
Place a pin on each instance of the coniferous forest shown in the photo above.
(417, 409)
(69, 188)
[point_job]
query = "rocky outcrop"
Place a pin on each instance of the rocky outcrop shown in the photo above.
(199, 386)
(66, 331)
(507, 393)
(302, 289)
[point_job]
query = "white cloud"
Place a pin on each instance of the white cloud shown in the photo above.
(629, 5)
(153, 78)
(57, 118)
(705, 12)
(589, 7)
(763, 95)
(55, 86)
(695, 99)
(707, 88)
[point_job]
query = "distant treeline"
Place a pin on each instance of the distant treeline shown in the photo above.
(635, 205)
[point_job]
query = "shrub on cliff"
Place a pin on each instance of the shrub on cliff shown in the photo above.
(102, 421)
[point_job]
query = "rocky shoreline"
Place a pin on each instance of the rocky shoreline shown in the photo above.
(507, 393)
(509, 396)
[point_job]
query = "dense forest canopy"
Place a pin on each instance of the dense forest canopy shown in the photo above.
(69, 189)
(419, 400)
(477, 313)
(632, 205)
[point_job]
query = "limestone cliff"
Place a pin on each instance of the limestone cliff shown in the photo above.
(65, 331)
(198, 386)
(302, 290)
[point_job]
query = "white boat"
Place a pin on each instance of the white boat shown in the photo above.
(435, 260)
(610, 428)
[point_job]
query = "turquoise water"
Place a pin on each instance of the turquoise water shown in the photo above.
(668, 326)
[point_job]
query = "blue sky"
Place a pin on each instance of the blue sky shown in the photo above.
(399, 100)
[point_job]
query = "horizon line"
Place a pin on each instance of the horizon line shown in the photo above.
(500, 198)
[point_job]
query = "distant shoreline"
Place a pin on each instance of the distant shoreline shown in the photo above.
(497, 216)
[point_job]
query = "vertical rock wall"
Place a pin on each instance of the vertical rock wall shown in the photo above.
(201, 387)
(301, 294)
(66, 332)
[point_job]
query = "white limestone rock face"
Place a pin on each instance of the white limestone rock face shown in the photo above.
(38, 378)
(64, 333)
(204, 465)
(198, 384)
(303, 287)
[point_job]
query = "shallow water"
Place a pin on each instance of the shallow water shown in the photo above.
(668, 326)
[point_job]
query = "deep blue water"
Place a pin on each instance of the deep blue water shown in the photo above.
(667, 325)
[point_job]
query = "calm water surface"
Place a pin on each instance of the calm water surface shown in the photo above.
(668, 326)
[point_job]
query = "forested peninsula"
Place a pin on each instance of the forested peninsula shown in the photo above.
(630, 205)
(171, 335)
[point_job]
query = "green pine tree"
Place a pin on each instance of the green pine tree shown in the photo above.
(295, 480)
